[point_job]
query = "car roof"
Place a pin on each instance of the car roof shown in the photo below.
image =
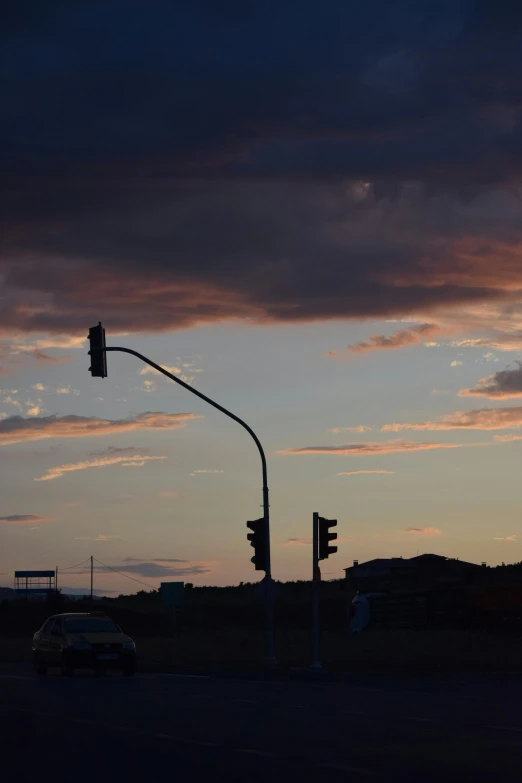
(76, 614)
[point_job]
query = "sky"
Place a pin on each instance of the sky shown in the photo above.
(309, 212)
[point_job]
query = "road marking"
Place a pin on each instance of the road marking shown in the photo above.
(15, 677)
(130, 729)
(419, 693)
(245, 701)
(254, 752)
(506, 728)
(186, 676)
(373, 690)
(347, 768)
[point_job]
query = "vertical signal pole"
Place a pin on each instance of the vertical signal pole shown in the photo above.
(316, 581)
(56, 579)
(92, 575)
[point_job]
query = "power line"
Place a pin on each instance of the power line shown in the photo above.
(74, 566)
(123, 574)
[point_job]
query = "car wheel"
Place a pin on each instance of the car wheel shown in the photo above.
(39, 666)
(65, 667)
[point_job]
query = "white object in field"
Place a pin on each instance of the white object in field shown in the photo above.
(361, 611)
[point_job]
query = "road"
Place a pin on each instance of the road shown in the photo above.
(445, 728)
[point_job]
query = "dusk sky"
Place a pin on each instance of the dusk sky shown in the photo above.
(312, 212)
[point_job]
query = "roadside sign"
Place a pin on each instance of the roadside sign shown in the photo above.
(172, 593)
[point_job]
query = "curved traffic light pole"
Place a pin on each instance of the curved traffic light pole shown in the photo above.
(269, 625)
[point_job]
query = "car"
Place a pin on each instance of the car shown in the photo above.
(83, 641)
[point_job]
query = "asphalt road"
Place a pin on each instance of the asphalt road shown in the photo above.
(448, 728)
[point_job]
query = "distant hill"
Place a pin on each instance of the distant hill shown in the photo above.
(6, 593)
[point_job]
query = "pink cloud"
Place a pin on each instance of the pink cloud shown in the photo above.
(369, 449)
(23, 519)
(137, 460)
(361, 472)
(481, 419)
(399, 339)
(422, 531)
(16, 429)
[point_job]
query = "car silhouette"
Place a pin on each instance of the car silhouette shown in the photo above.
(83, 641)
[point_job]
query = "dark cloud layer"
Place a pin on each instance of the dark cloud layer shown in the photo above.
(501, 385)
(166, 164)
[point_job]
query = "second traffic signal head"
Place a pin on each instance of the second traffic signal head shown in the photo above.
(325, 550)
(258, 540)
(98, 356)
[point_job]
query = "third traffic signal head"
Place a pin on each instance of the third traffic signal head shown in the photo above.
(258, 540)
(98, 356)
(325, 550)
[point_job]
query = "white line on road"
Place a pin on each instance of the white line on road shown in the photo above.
(15, 677)
(347, 768)
(518, 729)
(186, 676)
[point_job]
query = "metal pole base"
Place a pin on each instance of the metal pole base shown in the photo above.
(316, 666)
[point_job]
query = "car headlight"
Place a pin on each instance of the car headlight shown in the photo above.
(79, 646)
(128, 645)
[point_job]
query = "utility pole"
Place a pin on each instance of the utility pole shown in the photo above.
(98, 353)
(92, 574)
(56, 579)
(316, 581)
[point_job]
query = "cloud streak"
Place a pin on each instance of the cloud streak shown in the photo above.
(481, 419)
(400, 339)
(423, 531)
(371, 449)
(99, 537)
(365, 472)
(159, 569)
(23, 519)
(16, 429)
(101, 460)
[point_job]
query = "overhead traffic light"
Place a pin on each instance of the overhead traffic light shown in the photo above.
(325, 550)
(258, 540)
(98, 366)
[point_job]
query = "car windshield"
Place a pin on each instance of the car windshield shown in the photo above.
(91, 625)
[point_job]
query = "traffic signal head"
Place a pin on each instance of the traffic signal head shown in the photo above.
(325, 550)
(258, 540)
(98, 366)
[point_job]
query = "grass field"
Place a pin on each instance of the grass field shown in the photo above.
(406, 650)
